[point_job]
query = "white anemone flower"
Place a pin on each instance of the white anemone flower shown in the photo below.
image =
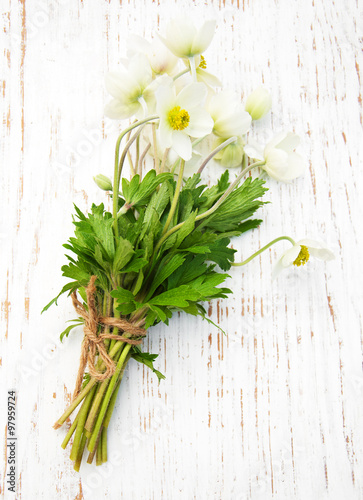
(160, 58)
(281, 161)
(185, 40)
(299, 254)
(228, 115)
(132, 90)
(182, 116)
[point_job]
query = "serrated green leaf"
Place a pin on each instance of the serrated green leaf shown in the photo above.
(177, 297)
(66, 332)
(148, 360)
(166, 268)
(123, 255)
(221, 254)
(122, 295)
(73, 285)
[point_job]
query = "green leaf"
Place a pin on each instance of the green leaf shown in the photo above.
(166, 268)
(197, 250)
(177, 297)
(123, 255)
(221, 254)
(66, 332)
(148, 185)
(102, 227)
(238, 206)
(75, 272)
(73, 285)
(122, 295)
(147, 359)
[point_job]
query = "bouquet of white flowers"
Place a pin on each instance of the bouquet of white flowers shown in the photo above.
(165, 245)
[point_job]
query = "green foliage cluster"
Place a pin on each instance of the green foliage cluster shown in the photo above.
(149, 274)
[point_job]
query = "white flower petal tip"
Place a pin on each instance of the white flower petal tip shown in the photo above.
(281, 162)
(300, 253)
(184, 40)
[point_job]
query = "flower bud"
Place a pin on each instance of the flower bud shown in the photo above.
(230, 156)
(258, 103)
(103, 182)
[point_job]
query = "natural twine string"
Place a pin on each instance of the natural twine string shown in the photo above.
(93, 342)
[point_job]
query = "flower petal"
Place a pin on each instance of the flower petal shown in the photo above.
(317, 249)
(254, 150)
(192, 95)
(208, 78)
(276, 165)
(289, 142)
(203, 37)
(165, 99)
(181, 144)
(118, 110)
(296, 167)
(290, 255)
(180, 34)
(274, 141)
(237, 123)
(165, 134)
(201, 123)
(118, 84)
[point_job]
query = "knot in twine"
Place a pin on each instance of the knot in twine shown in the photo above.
(93, 342)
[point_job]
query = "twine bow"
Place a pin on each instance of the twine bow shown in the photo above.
(93, 342)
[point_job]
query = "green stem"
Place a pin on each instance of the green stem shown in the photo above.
(137, 154)
(70, 433)
(156, 159)
(193, 68)
(181, 74)
(92, 414)
(75, 403)
(143, 154)
(80, 425)
(78, 461)
(104, 445)
(236, 264)
(106, 400)
(165, 156)
(175, 199)
(213, 208)
(126, 151)
(112, 402)
(215, 151)
(99, 449)
(113, 351)
(116, 179)
(229, 190)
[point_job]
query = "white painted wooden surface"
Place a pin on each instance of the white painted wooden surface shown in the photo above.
(275, 408)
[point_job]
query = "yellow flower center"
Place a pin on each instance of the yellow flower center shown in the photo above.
(178, 118)
(303, 256)
(203, 63)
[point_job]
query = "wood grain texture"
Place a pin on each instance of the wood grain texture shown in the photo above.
(273, 409)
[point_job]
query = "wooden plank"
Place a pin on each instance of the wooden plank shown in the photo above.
(274, 408)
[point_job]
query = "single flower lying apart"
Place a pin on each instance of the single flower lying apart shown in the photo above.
(300, 253)
(182, 116)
